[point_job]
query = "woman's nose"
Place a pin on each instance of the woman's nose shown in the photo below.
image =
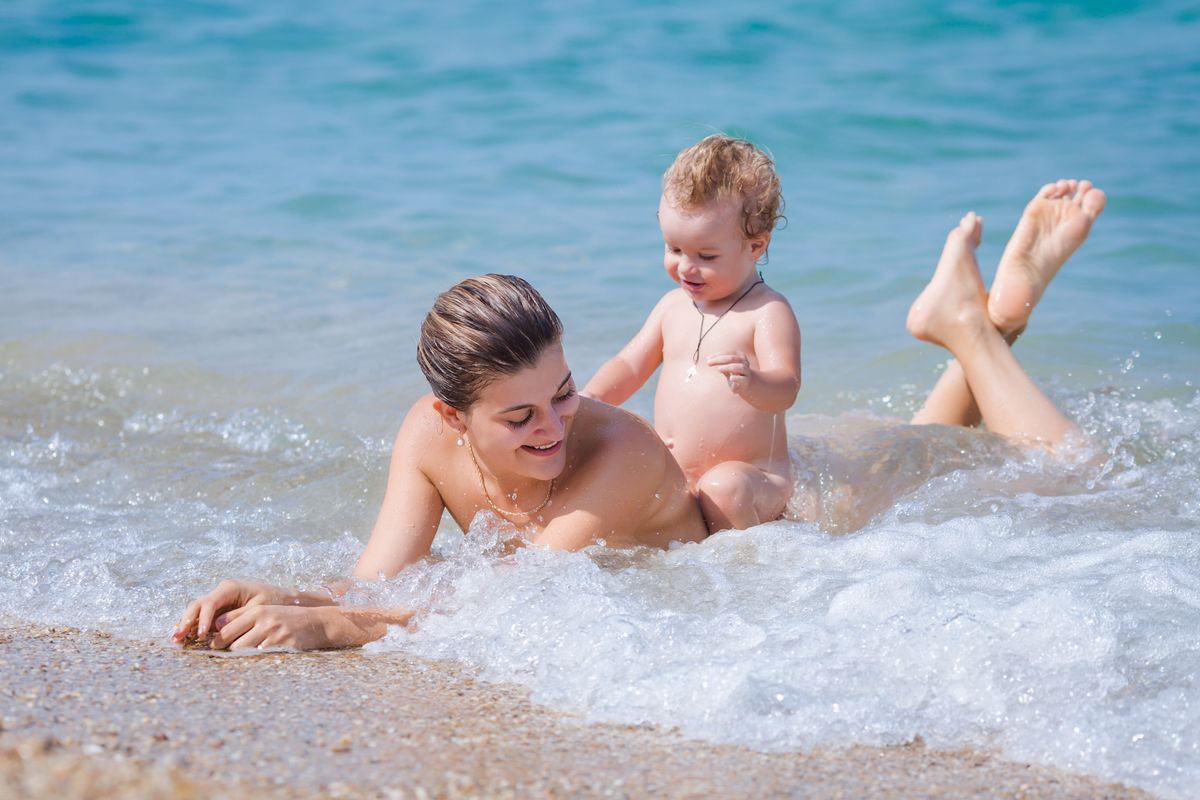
(552, 425)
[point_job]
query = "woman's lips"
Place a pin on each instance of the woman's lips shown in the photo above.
(543, 451)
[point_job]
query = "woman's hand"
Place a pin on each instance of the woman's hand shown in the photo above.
(272, 626)
(293, 627)
(197, 619)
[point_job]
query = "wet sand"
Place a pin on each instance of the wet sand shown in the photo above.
(89, 715)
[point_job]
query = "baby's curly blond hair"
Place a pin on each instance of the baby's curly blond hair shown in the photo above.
(720, 166)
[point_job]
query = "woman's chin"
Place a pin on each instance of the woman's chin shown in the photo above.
(542, 467)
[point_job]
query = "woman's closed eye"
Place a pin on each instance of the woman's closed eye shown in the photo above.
(525, 420)
(522, 422)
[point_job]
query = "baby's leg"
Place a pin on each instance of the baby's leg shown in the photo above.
(736, 494)
(952, 312)
(1055, 223)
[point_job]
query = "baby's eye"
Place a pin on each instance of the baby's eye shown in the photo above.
(707, 257)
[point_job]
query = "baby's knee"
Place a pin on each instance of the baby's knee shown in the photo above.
(731, 480)
(726, 495)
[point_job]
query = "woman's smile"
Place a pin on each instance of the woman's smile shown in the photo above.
(544, 450)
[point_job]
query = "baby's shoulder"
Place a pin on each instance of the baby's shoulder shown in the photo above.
(773, 304)
(772, 296)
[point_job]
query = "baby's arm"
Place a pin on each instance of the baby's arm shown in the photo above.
(774, 385)
(628, 370)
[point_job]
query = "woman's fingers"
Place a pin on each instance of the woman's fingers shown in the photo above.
(231, 627)
(208, 610)
(187, 623)
(227, 595)
(255, 638)
(199, 619)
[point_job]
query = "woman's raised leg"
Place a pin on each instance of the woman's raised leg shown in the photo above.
(1054, 224)
(952, 311)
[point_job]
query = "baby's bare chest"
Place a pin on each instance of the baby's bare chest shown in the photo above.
(688, 335)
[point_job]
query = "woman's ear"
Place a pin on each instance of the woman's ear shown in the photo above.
(453, 417)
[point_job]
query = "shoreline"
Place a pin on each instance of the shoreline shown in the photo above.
(109, 717)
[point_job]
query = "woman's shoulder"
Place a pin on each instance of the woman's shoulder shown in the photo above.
(611, 420)
(423, 430)
(616, 436)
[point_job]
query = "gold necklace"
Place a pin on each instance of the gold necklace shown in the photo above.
(691, 371)
(488, 497)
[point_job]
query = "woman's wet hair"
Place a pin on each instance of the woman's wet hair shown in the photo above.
(482, 329)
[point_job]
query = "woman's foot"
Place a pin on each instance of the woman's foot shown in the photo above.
(955, 299)
(1056, 221)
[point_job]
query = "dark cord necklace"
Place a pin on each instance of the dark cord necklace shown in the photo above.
(691, 373)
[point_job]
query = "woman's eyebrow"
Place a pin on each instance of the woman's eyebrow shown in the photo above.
(520, 406)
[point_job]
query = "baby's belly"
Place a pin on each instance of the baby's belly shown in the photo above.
(704, 424)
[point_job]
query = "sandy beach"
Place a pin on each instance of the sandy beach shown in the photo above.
(89, 715)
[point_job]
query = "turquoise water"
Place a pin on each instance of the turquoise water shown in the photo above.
(220, 226)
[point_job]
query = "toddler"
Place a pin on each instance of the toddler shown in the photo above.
(728, 344)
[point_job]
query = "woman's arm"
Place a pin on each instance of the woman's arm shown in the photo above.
(412, 506)
(247, 614)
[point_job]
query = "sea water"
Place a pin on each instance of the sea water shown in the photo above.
(220, 226)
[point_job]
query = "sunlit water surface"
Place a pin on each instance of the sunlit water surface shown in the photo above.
(221, 227)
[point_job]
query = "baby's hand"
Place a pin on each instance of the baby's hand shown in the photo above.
(735, 367)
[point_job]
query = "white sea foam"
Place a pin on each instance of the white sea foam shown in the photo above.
(1045, 609)
(1073, 649)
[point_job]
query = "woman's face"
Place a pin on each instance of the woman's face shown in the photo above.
(520, 422)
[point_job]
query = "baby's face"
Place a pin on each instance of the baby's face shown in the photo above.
(705, 251)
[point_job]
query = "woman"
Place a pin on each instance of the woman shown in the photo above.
(505, 432)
